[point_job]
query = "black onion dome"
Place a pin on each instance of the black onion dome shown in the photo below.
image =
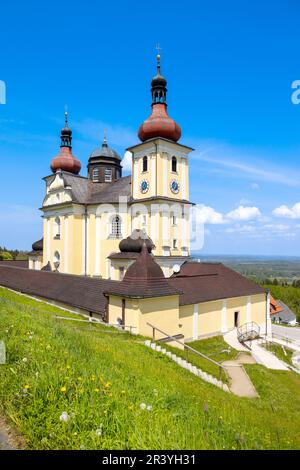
(105, 151)
(66, 131)
(158, 80)
(38, 245)
(135, 242)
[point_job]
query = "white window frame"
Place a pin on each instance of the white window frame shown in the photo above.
(95, 174)
(107, 176)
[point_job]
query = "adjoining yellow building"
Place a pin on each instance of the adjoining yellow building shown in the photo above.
(125, 241)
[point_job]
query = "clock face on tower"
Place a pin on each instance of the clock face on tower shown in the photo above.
(144, 186)
(174, 186)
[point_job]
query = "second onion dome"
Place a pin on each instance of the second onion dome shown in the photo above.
(65, 160)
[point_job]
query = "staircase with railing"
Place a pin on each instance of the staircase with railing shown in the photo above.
(248, 332)
(185, 363)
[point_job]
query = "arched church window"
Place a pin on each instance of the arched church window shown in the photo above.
(57, 228)
(174, 164)
(145, 163)
(116, 227)
(56, 260)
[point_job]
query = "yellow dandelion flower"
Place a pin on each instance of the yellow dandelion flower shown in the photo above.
(107, 385)
(96, 390)
(68, 366)
(63, 389)
(26, 386)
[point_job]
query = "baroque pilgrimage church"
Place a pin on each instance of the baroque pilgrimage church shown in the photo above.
(85, 217)
(118, 247)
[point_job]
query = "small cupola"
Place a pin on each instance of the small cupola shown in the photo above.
(104, 165)
(65, 160)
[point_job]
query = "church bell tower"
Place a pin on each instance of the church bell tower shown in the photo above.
(160, 173)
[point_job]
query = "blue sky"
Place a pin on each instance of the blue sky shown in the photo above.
(229, 65)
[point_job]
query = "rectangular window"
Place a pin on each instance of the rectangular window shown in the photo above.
(144, 220)
(175, 244)
(174, 220)
(107, 175)
(95, 174)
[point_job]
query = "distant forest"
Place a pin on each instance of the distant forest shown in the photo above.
(6, 254)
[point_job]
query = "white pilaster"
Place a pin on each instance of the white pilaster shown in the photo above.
(88, 245)
(48, 231)
(165, 174)
(135, 190)
(153, 176)
(248, 310)
(196, 321)
(83, 246)
(183, 178)
(97, 248)
(224, 317)
(66, 243)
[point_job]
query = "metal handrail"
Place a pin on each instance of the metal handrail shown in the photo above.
(184, 345)
(246, 329)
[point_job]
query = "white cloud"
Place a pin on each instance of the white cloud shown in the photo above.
(208, 215)
(289, 212)
(127, 162)
(244, 213)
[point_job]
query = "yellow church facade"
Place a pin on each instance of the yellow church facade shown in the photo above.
(128, 238)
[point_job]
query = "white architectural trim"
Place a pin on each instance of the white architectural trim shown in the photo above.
(48, 235)
(88, 245)
(97, 248)
(248, 309)
(224, 317)
(153, 176)
(165, 173)
(183, 178)
(66, 244)
(135, 178)
(196, 321)
(83, 247)
(108, 268)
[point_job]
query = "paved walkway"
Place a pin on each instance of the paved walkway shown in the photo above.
(4, 437)
(266, 358)
(231, 339)
(240, 383)
(292, 333)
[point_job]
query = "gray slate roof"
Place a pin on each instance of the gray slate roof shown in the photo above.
(84, 191)
(286, 315)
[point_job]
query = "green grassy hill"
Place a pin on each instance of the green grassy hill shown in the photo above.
(118, 394)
